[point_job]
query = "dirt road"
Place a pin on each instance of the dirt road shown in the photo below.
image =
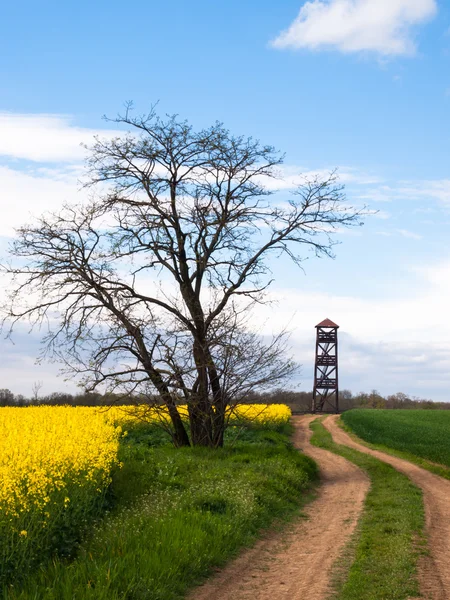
(295, 564)
(434, 571)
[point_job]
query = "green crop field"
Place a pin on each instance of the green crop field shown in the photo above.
(422, 433)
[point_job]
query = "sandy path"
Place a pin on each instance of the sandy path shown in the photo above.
(295, 564)
(434, 571)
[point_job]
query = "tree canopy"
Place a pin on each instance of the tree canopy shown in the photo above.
(146, 288)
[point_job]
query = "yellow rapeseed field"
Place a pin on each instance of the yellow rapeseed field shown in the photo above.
(45, 450)
(259, 414)
(55, 468)
(262, 414)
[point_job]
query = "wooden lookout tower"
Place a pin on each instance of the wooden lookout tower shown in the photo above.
(326, 386)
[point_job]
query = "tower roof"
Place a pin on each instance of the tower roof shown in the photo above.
(327, 323)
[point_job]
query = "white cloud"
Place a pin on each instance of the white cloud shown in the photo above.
(402, 232)
(291, 176)
(19, 368)
(383, 193)
(380, 26)
(379, 214)
(428, 189)
(54, 144)
(396, 343)
(409, 234)
(418, 190)
(25, 194)
(44, 138)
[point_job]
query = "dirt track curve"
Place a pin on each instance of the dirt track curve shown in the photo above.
(296, 564)
(434, 571)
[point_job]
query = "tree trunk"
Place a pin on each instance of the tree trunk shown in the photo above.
(219, 403)
(179, 436)
(200, 408)
(201, 424)
(219, 426)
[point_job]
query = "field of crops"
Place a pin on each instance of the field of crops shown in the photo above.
(262, 415)
(55, 467)
(55, 471)
(423, 433)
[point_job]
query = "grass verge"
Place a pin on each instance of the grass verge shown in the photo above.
(423, 433)
(380, 562)
(177, 515)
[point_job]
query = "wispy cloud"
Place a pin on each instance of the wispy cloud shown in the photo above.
(391, 317)
(409, 234)
(32, 192)
(291, 176)
(438, 189)
(44, 138)
(421, 190)
(382, 193)
(380, 26)
(380, 214)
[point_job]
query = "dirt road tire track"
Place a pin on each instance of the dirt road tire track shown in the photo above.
(434, 571)
(295, 564)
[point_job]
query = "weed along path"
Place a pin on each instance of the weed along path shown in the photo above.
(295, 564)
(434, 570)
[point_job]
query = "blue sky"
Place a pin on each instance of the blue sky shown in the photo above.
(352, 84)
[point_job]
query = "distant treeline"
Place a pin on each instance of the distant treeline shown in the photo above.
(298, 401)
(301, 401)
(7, 398)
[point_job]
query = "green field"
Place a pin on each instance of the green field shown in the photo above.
(422, 433)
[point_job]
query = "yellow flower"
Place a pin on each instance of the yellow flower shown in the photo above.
(52, 455)
(47, 451)
(262, 414)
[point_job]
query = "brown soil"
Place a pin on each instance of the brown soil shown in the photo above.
(434, 570)
(295, 564)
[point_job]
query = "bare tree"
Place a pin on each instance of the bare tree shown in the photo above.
(35, 389)
(195, 210)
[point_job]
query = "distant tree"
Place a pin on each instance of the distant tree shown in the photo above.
(6, 397)
(58, 399)
(362, 399)
(376, 400)
(346, 400)
(194, 209)
(20, 400)
(398, 400)
(36, 388)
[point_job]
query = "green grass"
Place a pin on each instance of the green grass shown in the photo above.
(58, 534)
(177, 514)
(420, 436)
(380, 562)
